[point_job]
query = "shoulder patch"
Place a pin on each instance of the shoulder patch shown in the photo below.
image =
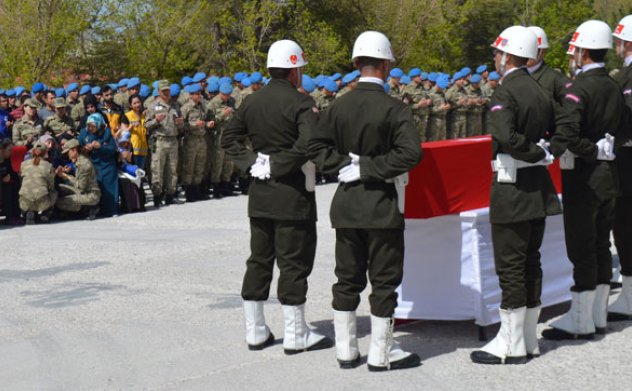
(496, 108)
(315, 109)
(627, 92)
(569, 85)
(572, 97)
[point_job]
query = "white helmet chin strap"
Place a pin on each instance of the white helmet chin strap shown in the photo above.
(579, 62)
(503, 63)
(622, 48)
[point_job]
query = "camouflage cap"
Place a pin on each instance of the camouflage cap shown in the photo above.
(70, 144)
(30, 102)
(60, 103)
(40, 145)
(164, 85)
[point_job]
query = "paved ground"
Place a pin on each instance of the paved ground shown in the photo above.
(151, 302)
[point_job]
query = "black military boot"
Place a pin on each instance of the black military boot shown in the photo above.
(227, 189)
(189, 190)
(217, 191)
(198, 194)
(157, 199)
(171, 199)
(92, 212)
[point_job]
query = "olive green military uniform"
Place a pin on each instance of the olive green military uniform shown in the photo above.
(223, 166)
(592, 106)
(81, 189)
(396, 91)
(437, 120)
(342, 91)
(457, 118)
(194, 151)
(521, 115)
(164, 152)
(323, 101)
(25, 129)
(487, 95)
(122, 99)
(553, 82)
(475, 112)
(369, 226)
(37, 192)
(420, 114)
(59, 127)
(76, 113)
(278, 120)
(623, 209)
(236, 95)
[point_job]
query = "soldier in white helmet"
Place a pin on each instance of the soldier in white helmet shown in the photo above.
(281, 203)
(621, 309)
(552, 81)
(368, 138)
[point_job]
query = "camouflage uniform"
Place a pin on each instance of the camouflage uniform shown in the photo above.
(194, 150)
(416, 93)
(487, 91)
(164, 152)
(343, 91)
(37, 193)
(396, 91)
(82, 188)
(475, 113)
(437, 120)
(323, 101)
(58, 126)
(122, 99)
(223, 167)
(77, 112)
(457, 122)
(24, 128)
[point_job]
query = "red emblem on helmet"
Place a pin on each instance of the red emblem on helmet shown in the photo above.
(498, 41)
(539, 40)
(575, 36)
(293, 59)
(619, 29)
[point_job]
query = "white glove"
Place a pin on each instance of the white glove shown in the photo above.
(548, 158)
(309, 169)
(605, 148)
(261, 167)
(350, 173)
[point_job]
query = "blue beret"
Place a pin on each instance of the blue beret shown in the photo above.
(308, 84)
(432, 76)
(133, 82)
(10, 93)
(493, 76)
(238, 76)
(71, 87)
(322, 82)
(198, 77)
(246, 82)
(475, 79)
(2, 91)
(85, 89)
(226, 88)
(213, 86)
(144, 91)
(387, 88)
(396, 73)
(336, 76)
(155, 92)
(405, 80)
(19, 90)
(481, 69)
(318, 79)
(225, 80)
(38, 87)
(123, 83)
(95, 90)
(186, 81)
(330, 85)
(443, 82)
(349, 77)
(174, 89)
(466, 71)
(193, 88)
(212, 79)
(60, 93)
(414, 72)
(256, 77)
(424, 75)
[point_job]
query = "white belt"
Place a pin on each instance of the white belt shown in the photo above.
(507, 167)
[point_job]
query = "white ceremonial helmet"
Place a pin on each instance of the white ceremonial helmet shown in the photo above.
(543, 41)
(286, 54)
(372, 44)
(592, 34)
(518, 41)
(624, 29)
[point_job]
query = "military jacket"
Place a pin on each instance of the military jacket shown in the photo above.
(323, 101)
(278, 120)
(381, 130)
(476, 93)
(417, 93)
(438, 100)
(77, 112)
(624, 155)
(58, 126)
(592, 106)
(85, 178)
(521, 114)
(553, 82)
(453, 94)
(216, 108)
(192, 112)
(37, 181)
(23, 129)
(167, 127)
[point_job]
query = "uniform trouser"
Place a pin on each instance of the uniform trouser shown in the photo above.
(194, 160)
(459, 125)
(222, 165)
(421, 121)
(38, 205)
(587, 225)
(380, 252)
(622, 231)
(437, 128)
(164, 165)
(181, 155)
(74, 202)
(293, 245)
(474, 123)
(210, 155)
(517, 261)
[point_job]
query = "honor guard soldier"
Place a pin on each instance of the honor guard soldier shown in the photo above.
(553, 82)
(589, 118)
(281, 204)
(522, 196)
(621, 309)
(370, 140)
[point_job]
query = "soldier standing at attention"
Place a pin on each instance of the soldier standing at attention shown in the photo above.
(222, 107)
(621, 309)
(457, 96)
(592, 109)
(281, 203)
(420, 102)
(437, 120)
(395, 87)
(521, 115)
(478, 103)
(368, 139)
(163, 123)
(553, 82)
(330, 88)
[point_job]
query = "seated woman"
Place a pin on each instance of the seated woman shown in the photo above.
(37, 194)
(79, 192)
(97, 141)
(130, 177)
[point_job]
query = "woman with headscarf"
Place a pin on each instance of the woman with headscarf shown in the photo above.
(96, 139)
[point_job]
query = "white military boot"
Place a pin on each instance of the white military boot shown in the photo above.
(531, 332)
(258, 335)
(509, 345)
(298, 336)
(600, 308)
(578, 322)
(384, 353)
(345, 327)
(621, 309)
